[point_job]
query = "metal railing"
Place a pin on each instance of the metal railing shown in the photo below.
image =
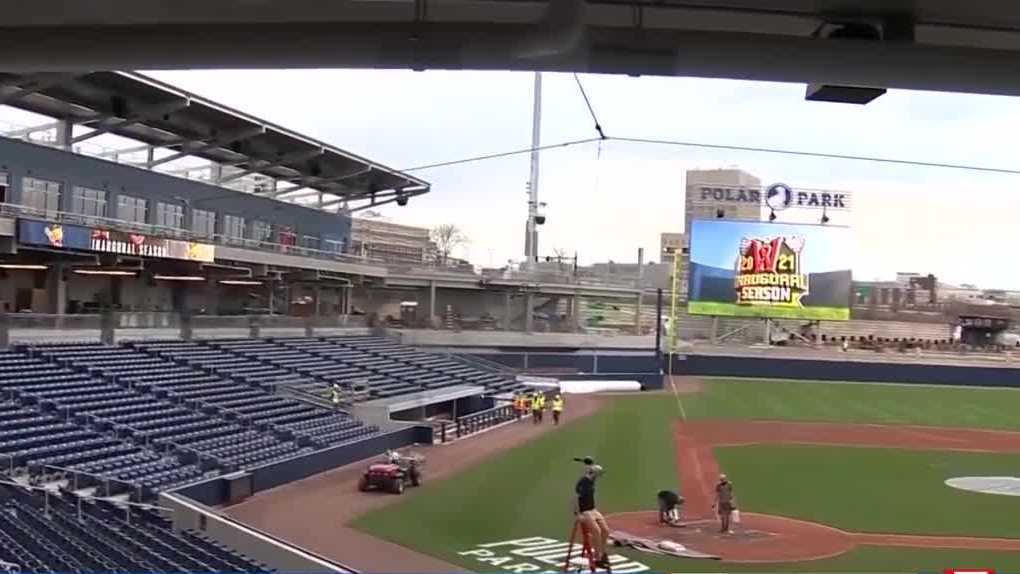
(23, 211)
(392, 266)
(563, 278)
(480, 363)
(117, 325)
(79, 479)
(476, 422)
(83, 498)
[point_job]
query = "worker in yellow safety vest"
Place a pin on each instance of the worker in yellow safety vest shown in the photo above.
(536, 408)
(557, 408)
(518, 405)
(335, 395)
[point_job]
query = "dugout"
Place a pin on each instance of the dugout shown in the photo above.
(982, 330)
(446, 403)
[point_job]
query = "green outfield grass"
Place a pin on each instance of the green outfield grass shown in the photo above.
(856, 403)
(527, 491)
(734, 310)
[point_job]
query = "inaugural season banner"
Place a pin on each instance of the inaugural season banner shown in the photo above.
(759, 269)
(108, 241)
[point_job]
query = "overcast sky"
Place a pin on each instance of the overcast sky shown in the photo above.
(605, 202)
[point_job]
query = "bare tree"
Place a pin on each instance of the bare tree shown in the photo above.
(562, 255)
(447, 237)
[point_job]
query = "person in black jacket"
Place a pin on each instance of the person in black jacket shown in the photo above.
(669, 507)
(591, 519)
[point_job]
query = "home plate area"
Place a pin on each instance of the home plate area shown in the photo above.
(758, 538)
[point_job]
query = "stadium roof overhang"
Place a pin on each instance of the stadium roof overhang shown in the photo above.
(943, 45)
(154, 113)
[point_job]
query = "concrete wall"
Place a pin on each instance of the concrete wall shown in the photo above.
(836, 370)
(370, 299)
(466, 303)
(518, 339)
(11, 282)
(607, 362)
(21, 159)
(277, 554)
(214, 491)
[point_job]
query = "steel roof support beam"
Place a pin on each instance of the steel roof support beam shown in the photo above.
(328, 180)
(34, 84)
(20, 133)
(310, 180)
(109, 123)
(199, 146)
(257, 165)
(360, 172)
(285, 191)
(378, 197)
(124, 151)
(298, 192)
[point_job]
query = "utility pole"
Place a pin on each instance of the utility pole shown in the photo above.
(531, 228)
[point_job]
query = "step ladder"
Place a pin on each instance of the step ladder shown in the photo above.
(587, 552)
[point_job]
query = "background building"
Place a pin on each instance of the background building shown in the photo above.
(85, 227)
(669, 244)
(712, 194)
(391, 242)
(729, 193)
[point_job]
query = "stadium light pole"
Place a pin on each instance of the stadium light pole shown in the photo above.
(531, 228)
(658, 327)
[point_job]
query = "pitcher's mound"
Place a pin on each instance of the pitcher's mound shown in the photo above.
(758, 538)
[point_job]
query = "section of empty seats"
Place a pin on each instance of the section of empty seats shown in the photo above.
(215, 360)
(250, 402)
(166, 405)
(63, 534)
(37, 429)
(276, 354)
(352, 367)
(435, 371)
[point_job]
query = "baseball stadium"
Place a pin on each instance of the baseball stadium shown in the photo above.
(214, 358)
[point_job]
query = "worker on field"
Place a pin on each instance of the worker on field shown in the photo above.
(536, 408)
(334, 395)
(557, 408)
(541, 406)
(518, 405)
(669, 507)
(591, 519)
(725, 503)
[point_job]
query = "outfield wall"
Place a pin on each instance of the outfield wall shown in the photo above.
(581, 361)
(834, 369)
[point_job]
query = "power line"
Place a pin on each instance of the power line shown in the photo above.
(801, 153)
(501, 154)
(779, 151)
(598, 127)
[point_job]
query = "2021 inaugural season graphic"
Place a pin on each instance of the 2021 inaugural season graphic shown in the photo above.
(775, 270)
